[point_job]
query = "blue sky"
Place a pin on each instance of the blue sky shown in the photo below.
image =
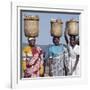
(44, 37)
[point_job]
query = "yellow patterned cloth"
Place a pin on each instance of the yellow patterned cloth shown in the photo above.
(35, 58)
(26, 51)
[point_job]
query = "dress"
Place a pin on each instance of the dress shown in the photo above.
(59, 56)
(32, 61)
(73, 53)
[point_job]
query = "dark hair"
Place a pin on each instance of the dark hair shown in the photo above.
(56, 37)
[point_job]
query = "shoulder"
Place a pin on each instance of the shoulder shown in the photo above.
(77, 49)
(38, 48)
(26, 49)
(50, 47)
(65, 46)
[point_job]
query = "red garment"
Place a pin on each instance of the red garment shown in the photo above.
(33, 65)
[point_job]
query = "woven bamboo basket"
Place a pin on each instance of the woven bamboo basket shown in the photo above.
(56, 28)
(31, 26)
(73, 27)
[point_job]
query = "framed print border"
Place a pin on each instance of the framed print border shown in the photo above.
(16, 7)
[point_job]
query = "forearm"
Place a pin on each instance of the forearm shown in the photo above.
(66, 38)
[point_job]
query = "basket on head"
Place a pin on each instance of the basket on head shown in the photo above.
(31, 26)
(56, 27)
(73, 27)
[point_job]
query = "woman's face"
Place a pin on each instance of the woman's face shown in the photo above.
(56, 40)
(32, 42)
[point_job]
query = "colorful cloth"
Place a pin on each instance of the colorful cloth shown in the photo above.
(32, 61)
(59, 56)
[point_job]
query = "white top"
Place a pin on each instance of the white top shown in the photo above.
(73, 53)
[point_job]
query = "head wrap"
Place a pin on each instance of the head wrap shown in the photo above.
(31, 38)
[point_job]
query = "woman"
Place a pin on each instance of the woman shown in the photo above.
(58, 58)
(32, 60)
(74, 50)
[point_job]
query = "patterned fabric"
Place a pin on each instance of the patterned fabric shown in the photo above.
(32, 62)
(59, 56)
